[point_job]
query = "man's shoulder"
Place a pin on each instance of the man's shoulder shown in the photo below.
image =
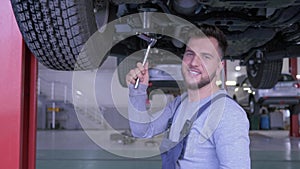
(233, 114)
(227, 102)
(229, 109)
(179, 99)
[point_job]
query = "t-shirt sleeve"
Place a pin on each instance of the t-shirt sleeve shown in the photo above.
(142, 123)
(232, 138)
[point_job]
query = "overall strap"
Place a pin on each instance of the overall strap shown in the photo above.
(206, 105)
(188, 123)
(170, 121)
(202, 108)
(172, 151)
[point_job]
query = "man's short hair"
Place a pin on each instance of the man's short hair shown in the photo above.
(213, 31)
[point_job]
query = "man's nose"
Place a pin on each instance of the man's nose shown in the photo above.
(196, 61)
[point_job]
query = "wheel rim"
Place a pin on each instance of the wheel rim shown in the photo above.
(257, 60)
(254, 69)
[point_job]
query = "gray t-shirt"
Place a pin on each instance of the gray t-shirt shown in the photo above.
(218, 139)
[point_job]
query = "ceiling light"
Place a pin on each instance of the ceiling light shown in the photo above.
(237, 68)
(78, 92)
(230, 83)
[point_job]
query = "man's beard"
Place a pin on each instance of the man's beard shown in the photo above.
(203, 82)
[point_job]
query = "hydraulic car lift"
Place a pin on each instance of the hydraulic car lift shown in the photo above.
(18, 97)
(294, 119)
(18, 72)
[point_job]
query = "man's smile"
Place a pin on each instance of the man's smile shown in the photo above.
(194, 72)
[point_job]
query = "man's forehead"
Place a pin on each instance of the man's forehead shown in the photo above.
(203, 45)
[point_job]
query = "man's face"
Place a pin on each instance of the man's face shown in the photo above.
(201, 62)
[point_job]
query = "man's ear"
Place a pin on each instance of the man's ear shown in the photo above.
(222, 63)
(221, 66)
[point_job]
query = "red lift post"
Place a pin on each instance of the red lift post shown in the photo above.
(294, 120)
(18, 72)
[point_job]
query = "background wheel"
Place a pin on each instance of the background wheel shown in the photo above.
(263, 74)
(234, 98)
(55, 31)
(295, 109)
(253, 106)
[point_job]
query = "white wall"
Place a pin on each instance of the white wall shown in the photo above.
(232, 74)
(285, 67)
(101, 84)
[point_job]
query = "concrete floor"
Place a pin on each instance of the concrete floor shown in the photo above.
(59, 149)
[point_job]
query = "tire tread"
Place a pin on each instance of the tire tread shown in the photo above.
(55, 31)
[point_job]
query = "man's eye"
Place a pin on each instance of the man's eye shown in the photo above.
(207, 56)
(188, 54)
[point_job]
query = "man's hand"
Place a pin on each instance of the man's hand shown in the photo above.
(140, 72)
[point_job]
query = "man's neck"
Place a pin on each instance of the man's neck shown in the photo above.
(205, 91)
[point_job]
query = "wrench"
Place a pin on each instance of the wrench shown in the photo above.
(152, 42)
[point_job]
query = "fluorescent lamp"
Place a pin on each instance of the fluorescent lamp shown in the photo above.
(78, 92)
(237, 68)
(230, 83)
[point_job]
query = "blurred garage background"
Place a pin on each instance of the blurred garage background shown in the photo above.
(62, 142)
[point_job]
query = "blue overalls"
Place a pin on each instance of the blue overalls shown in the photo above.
(171, 151)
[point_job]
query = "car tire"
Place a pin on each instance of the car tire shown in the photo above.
(56, 31)
(234, 98)
(253, 106)
(264, 74)
(295, 109)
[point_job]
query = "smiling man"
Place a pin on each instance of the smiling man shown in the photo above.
(201, 64)
(204, 128)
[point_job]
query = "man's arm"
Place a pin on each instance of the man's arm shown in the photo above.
(139, 118)
(142, 123)
(232, 139)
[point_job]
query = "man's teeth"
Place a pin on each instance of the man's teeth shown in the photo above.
(193, 72)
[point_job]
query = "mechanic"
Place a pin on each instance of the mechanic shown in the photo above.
(204, 128)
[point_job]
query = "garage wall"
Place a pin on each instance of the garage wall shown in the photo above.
(232, 74)
(285, 68)
(107, 90)
(63, 82)
(57, 80)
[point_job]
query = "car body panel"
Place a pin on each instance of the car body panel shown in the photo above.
(284, 93)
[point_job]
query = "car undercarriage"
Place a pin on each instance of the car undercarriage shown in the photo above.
(260, 33)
